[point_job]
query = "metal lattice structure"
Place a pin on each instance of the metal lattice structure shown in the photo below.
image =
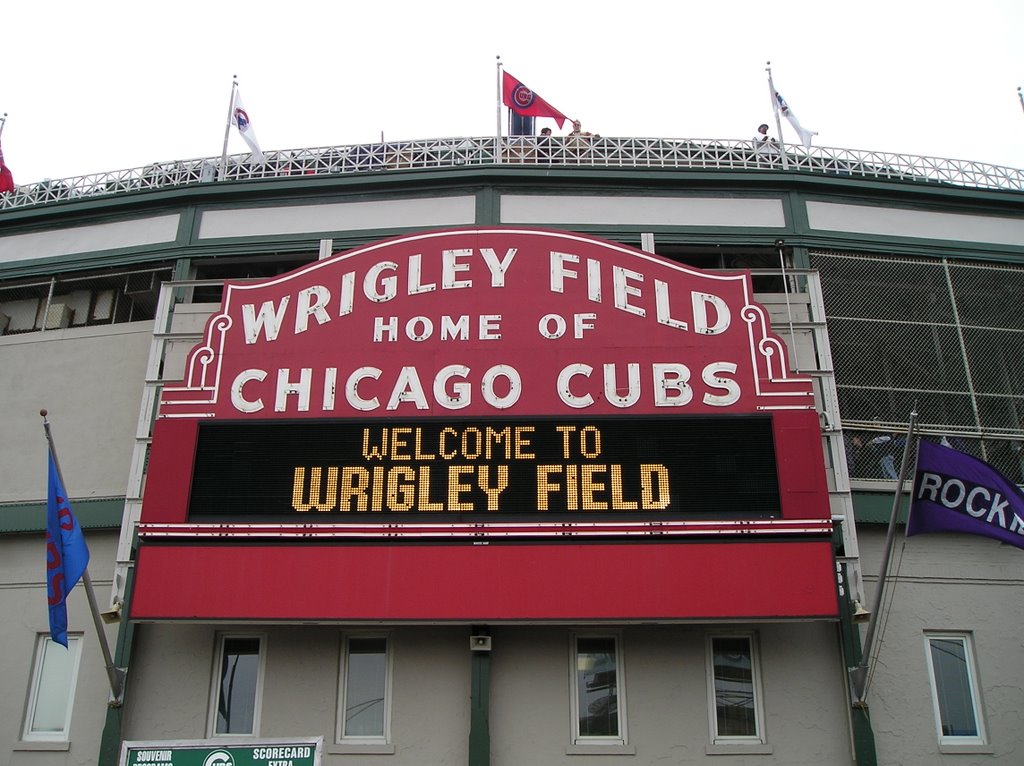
(579, 151)
(945, 336)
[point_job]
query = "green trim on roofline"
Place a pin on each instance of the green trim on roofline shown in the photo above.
(92, 513)
(488, 185)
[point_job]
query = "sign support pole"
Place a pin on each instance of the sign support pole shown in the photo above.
(859, 674)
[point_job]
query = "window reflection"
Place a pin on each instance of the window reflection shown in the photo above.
(49, 714)
(365, 680)
(953, 688)
(236, 700)
(735, 708)
(597, 687)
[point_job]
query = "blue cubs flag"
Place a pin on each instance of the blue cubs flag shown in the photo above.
(66, 554)
(955, 492)
(524, 101)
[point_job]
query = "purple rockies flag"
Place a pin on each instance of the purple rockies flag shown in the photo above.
(66, 554)
(954, 492)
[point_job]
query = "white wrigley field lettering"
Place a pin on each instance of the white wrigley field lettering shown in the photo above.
(704, 313)
(379, 284)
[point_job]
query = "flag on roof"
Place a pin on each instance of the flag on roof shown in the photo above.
(67, 555)
(524, 101)
(956, 492)
(805, 135)
(6, 179)
(240, 119)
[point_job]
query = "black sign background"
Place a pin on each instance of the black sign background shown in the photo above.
(717, 468)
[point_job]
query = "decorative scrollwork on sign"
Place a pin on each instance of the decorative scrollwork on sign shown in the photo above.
(768, 355)
(202, 370)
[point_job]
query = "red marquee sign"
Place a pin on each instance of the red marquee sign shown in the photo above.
(487, 386)
(488, 322)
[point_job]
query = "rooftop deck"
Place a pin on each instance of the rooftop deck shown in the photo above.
(568, 151)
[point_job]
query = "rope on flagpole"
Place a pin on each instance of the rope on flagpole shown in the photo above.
(859, 675)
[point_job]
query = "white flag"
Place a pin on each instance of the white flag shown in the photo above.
(240, 119)
(805, 135)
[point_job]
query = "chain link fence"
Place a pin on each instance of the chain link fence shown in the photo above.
(943, 336)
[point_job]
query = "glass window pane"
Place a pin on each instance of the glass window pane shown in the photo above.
(236, 700)
(735, 709)
(953, 687)
(597, 687)
(365, 687)
(54, 682)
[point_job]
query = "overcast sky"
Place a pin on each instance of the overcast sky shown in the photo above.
(110, 84)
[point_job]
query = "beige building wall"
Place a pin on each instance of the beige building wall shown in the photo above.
(90, 380)
(663, 683)
(23, 591)
(946, 583)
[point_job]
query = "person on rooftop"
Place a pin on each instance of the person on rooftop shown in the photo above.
(546, 146)
(577, 130)
(762, 136)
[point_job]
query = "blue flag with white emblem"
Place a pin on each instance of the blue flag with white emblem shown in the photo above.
(66, 553)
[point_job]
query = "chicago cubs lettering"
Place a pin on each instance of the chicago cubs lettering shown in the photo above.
(455, 386)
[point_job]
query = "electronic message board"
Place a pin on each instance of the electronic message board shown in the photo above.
(455, 470)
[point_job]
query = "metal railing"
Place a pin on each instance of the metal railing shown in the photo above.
(561, 151)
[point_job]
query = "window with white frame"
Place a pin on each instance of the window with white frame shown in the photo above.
(735, 687)
(365, 690)
(237, 685)
(598, 706)
(54, 677)
(955, 697)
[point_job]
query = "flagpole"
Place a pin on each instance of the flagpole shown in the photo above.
(115, 675)
(1019, 95)
(775, 111)
(227, 129)
(3, 121)
(497, 132)
(858, 675)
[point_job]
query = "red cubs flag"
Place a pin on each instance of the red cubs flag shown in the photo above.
(524, 101)
(6, 179)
